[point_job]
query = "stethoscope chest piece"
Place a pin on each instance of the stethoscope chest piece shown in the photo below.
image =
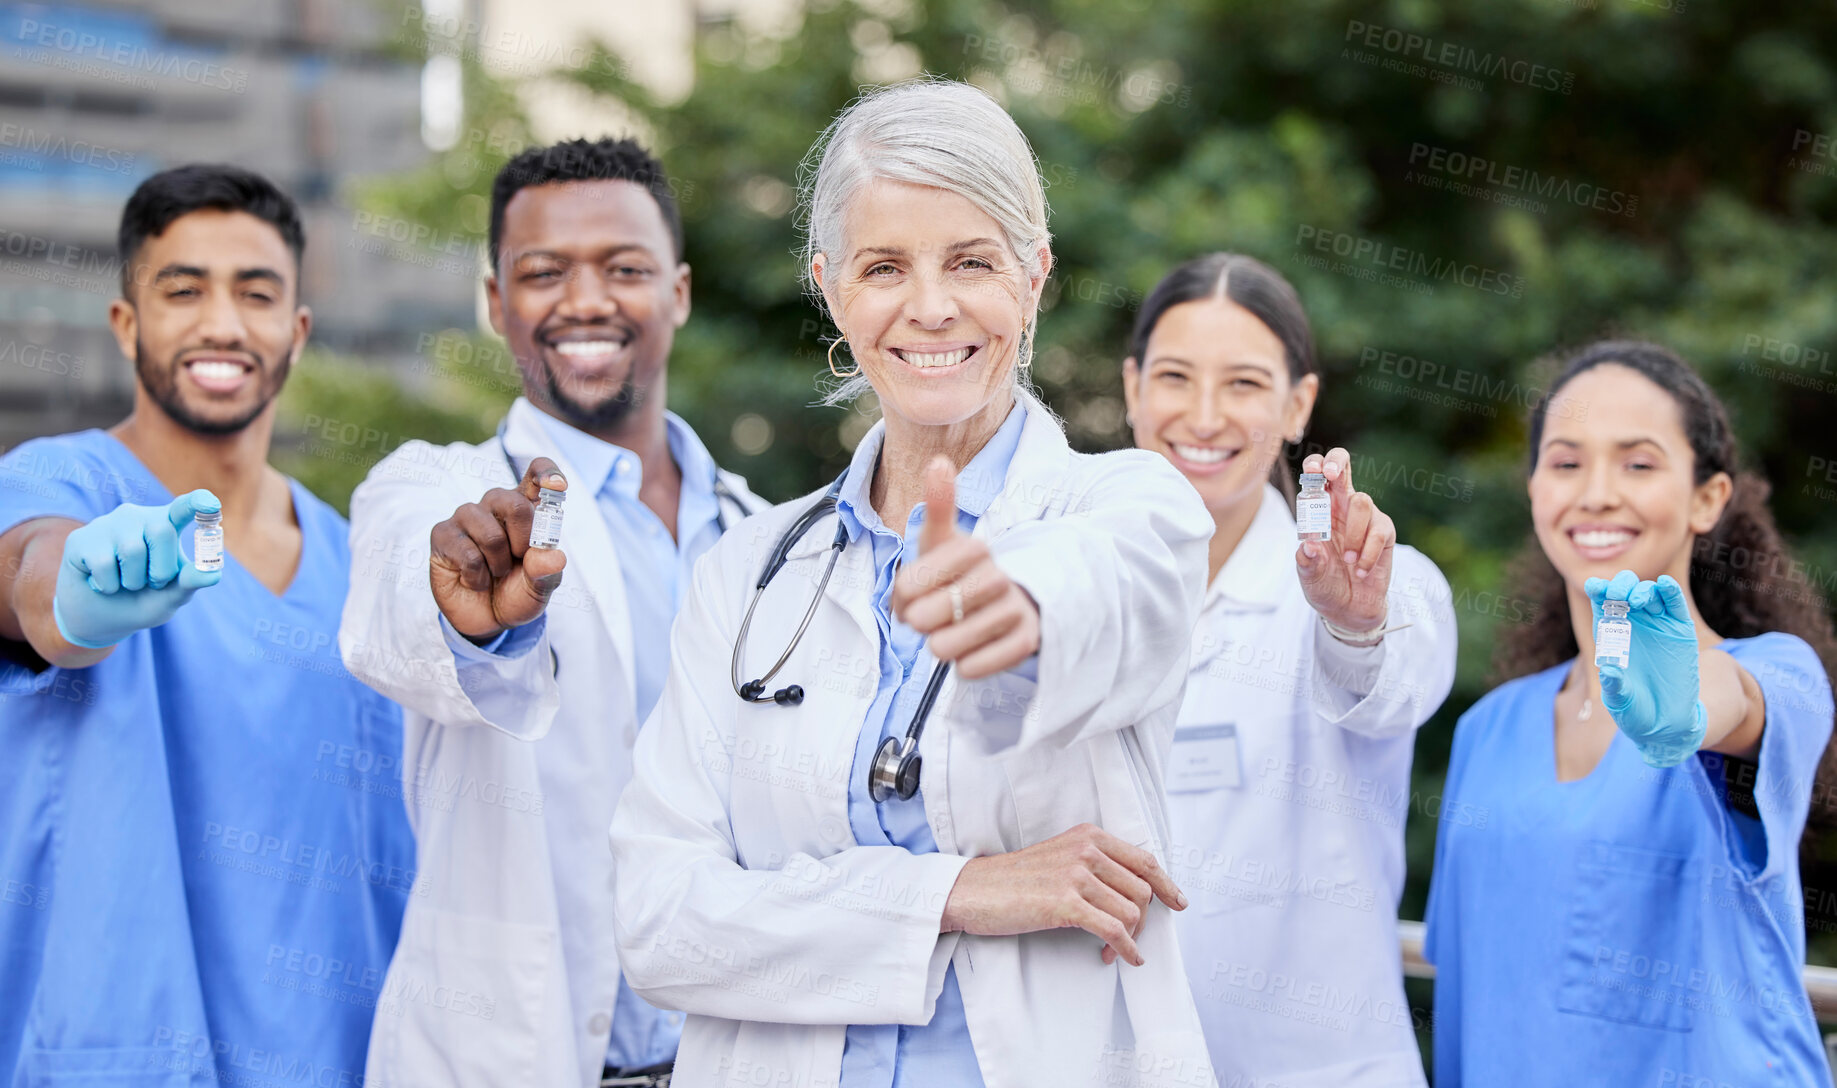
(896, 766)
(895, 770)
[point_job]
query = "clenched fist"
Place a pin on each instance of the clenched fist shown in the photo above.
(485, 576)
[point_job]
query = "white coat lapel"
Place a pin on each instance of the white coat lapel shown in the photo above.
(1036, 476)
(851, 587)
(591, 557)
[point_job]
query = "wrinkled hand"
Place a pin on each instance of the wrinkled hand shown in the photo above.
(1654, 700)
(1346, 579)
(1001, 624)
(124, 572)
(486, 578)
(1085, 877)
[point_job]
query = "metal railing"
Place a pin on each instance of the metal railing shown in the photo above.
(1820, 982)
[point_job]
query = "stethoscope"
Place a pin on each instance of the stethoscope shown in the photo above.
(722, 493)
(896, 765)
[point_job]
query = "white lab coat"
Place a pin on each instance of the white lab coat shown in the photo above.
(506, 973)
(1294, 873)
(742, 896)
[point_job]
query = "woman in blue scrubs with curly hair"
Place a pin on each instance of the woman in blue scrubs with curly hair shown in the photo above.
(1629, 911)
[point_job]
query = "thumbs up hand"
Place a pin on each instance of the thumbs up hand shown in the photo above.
(957, 597)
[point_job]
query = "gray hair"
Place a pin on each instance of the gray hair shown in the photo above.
(932, 132)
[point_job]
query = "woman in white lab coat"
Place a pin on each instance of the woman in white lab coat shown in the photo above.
(1313, 664)
(1007, 923)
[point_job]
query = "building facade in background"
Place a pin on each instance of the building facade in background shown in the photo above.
(317, 94)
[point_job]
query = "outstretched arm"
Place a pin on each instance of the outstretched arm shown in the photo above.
(72, 591)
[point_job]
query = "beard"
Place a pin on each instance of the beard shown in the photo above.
(604, 415)
(162, 384)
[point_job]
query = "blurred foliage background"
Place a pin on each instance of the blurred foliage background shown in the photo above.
(1679, 195)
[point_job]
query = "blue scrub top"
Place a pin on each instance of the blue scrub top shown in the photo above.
(1628, 927)
(204, 855)
(937, 1053)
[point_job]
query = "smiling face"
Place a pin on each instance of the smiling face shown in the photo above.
(212, 322)
(1613, 488)
(589, 295)
(1213, 396)
(933, 302)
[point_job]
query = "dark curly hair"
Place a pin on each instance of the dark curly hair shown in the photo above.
(604, 159)
(1742, 575)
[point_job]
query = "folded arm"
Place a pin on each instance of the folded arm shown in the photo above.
(849, 938)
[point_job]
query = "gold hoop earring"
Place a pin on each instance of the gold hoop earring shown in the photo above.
(832, 361)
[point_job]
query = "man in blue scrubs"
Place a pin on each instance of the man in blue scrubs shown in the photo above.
(204, 856)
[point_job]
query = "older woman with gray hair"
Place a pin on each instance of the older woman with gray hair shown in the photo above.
(899, 817)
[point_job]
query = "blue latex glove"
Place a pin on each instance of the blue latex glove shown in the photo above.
(1654, 700)
(124, 572)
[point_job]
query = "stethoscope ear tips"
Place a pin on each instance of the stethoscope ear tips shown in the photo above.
(753, 691)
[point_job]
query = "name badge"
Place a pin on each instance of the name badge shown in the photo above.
(1204, 758)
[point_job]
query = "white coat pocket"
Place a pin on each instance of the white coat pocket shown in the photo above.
(1213, 879)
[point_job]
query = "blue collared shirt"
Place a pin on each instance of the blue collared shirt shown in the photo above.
(656, 567)
(894, 1055)
(656, 570)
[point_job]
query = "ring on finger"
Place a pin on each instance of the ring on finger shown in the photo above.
(956, 602)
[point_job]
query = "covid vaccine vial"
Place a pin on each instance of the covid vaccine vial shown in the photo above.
(1613, 635)
(1313, 510)
(207, 545)
(545, 531)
